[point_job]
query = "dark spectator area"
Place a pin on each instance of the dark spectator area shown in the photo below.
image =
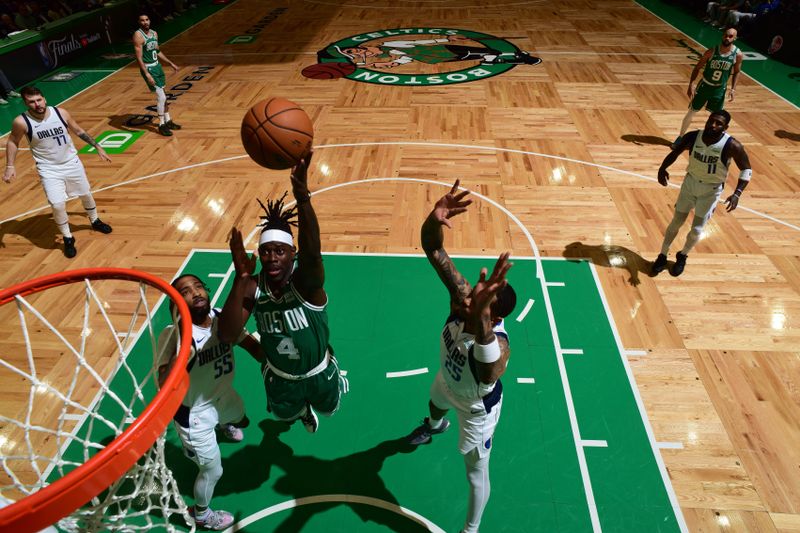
(770, 26)
(18, 15)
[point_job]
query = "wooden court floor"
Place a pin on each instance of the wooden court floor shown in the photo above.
(569, 148)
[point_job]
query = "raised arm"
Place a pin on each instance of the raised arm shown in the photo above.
(309, 278)
(167, 347)
(18, 128)
(745, 173)
(253, 347)
(491, 352)
(81, 133)
(432, 235)
(241, 299)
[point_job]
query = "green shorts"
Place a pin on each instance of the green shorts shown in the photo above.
(287, 398)
(713, 97)
(158, 76)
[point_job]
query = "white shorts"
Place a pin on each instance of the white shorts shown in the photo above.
(702, 197)
(476, 426)
(200, 438)
(64, 181)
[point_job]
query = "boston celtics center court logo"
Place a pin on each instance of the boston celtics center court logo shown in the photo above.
(418, 56)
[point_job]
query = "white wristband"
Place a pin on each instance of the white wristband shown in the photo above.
(746, 174)
(487, 353)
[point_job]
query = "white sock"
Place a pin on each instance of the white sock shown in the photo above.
(479, 489)
(435, 423)
(61, 219)
(166, 117)
(90, 207)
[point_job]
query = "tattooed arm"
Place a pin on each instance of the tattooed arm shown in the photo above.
(81, 133)
(448, 206)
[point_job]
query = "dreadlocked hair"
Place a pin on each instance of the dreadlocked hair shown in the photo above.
(276, 216)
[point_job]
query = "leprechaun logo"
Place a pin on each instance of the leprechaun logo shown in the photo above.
(418, 56)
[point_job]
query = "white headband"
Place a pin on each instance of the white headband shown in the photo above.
(276, 235)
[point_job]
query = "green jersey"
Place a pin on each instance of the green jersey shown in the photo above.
(294, 333)
(719, 67)
(430, 55)
(150, 47)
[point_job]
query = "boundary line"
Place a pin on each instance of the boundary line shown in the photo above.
(340, 498)
(406, 373)
(405, 143)
(673, 498)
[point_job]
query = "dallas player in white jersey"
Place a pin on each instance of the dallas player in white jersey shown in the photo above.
(710, 152)
(211, 401)
(60, 170)
(474, 354)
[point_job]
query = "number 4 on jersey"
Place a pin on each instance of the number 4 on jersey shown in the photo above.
(286, 347)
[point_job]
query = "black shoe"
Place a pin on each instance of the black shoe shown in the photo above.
(659, 264)
(522, 58)
(102, 227)
(171, 125)
(69, 247)
(680, 263)
(164, 130)
(310, 420)
(528, 59)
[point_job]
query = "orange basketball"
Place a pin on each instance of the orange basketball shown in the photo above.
(276, 133)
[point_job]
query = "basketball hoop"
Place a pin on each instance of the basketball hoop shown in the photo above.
(100, 466)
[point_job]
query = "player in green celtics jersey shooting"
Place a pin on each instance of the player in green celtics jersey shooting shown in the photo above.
(145, 44)
(718, 64)
(288, 302)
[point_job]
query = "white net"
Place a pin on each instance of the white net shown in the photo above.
(77, 367)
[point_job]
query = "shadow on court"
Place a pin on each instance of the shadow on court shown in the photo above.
(40, 230)
(783, 134)
(134, 122)
(611, 256)
(646, 139)
(299, 476)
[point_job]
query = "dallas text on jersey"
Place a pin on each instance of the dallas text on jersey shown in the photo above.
(44, 134)
(455, 359)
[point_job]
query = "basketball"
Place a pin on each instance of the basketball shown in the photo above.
(276, 133)
(328, 71)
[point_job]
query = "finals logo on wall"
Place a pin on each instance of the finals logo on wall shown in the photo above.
(418, 56)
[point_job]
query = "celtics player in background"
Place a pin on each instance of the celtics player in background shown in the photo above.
(710, 152)
(718, 64)
(288, 301)
(145, 44)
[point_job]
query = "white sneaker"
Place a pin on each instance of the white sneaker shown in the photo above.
(232, 432)
(213, 520)
(3, 101)
(14, 94)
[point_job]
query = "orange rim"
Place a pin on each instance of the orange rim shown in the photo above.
(48, 505)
